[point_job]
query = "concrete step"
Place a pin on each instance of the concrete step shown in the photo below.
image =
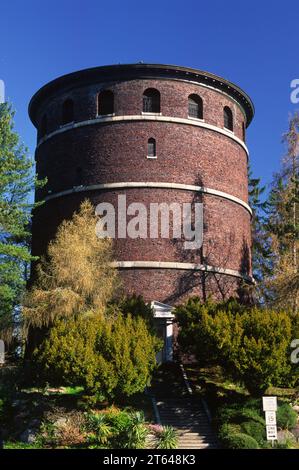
(188, 418)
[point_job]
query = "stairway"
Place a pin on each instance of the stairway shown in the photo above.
(181, 410)
(188, 417)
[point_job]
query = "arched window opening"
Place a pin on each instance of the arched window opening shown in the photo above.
(151, 101)
(151, 148)
(79, 176)
(195, 107)
(228, 118)
(105, 102)
(67, 111)
(43, 126)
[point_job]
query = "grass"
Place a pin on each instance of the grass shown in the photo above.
(73, 391)
(20, 445)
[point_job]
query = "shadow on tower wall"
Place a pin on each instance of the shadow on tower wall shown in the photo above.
(205, 283)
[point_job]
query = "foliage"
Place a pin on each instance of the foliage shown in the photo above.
(282, 283)
(238, 413)
(286, 416)
(251, 344)
(21, 445)
(261, 243)
(240, 434)
(227, 429)
(191, 317)
(167, 438)
(16, 184)
(117, 429)
(247, 418)
(134, 436)
(99, 430)
(6, 398)
(240, 441)
(255, 430)
(62, 431)
(289, 441)
(136, 306)
(76, 277)
(111, 356)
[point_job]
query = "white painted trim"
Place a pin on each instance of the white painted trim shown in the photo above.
(140, 117)
(144, 113)
(151, 184)
(180, 266)
(161, 310)
(196, 119)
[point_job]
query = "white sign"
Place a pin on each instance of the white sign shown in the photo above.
(2, 352)
(270, 418)
(271, 433)
(269, 403)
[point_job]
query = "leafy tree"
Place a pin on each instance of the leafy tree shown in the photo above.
(16, 184)
(251, 344)
(76, 277)
(113, 357)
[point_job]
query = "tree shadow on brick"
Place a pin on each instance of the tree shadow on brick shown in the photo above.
(206, 283)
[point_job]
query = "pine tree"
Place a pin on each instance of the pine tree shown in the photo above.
(261, 252)
(16, 183)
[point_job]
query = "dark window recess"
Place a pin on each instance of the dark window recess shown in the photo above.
(67, 112)
(151, 147)
(151, 101)
(43, 126)
(106, 102)
(228, 118)
(195, 107)
(79, 176)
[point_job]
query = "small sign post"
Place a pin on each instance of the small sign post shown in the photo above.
(270, 408)
(270, 418)
(2, 352)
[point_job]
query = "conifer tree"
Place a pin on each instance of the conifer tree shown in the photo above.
(16, 183)
(261, 252)
(283, 226)
(76, 277)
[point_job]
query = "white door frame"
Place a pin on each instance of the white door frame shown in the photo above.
(163, 313)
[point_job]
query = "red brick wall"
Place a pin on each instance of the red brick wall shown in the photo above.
(116, 152)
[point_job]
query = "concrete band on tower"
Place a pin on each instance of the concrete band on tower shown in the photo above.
(155, 133)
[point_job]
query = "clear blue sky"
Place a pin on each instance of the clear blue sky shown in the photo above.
(254, 44)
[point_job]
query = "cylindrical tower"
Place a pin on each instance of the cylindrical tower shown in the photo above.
(156, 134)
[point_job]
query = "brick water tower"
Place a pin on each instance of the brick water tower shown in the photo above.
(156, 134)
